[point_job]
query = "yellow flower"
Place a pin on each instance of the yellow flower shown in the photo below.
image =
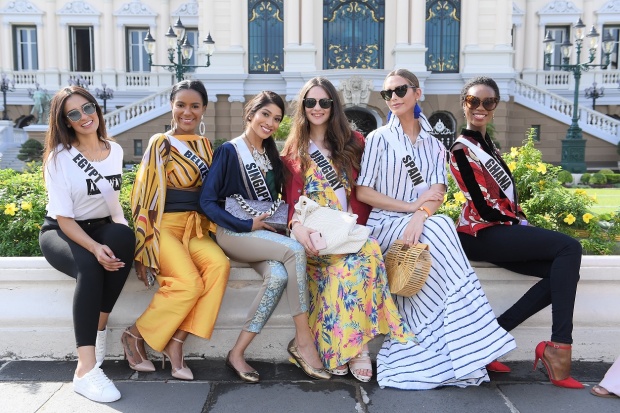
(542, 168)
(580, 192)
(445, 197)
(10, 209)
(587, 217)
(593, 197)
(26, 206)
(512, 166)
(541, 184)
(570, 219)
(514, 152)
(459, 197)
(547, 217)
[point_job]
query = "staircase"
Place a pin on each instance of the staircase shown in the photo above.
(137, 113)
(9, 160)
(590, 121)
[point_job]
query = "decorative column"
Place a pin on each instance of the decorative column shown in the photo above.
(234, 59)
(490, 54)
(410, 49)
(300, 51)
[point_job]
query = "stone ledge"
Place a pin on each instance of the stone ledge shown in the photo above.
(35, 316)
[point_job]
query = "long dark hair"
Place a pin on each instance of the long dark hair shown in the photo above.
(58, 131)
(259, 101)
(346, 151)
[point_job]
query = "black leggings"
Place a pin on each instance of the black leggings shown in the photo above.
(97, 289)
(549, 255)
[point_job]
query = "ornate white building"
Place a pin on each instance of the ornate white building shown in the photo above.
(279, 44)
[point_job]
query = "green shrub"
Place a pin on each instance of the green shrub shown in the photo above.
(612, 178)
(22, 208)
(565, 177)
(217, 143)
(606, 171)
(585, 178)
(598, 179)
(284, 129)
(31, 150)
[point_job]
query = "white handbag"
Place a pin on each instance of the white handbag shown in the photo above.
(340, 230)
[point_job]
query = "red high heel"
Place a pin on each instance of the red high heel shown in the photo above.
(568, 382)
(497, 367)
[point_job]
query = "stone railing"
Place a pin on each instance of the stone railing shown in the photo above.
(136, 113)
(36, 320)
(561, 109)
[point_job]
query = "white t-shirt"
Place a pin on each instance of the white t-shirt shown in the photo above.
(72, 193)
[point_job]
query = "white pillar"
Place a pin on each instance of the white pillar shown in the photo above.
(307, 22)
(402, 22)
(300, 51)
(51, 40)
(108, 38)
(292, 21)
(411, 26)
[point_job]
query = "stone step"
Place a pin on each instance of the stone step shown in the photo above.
(36, 320)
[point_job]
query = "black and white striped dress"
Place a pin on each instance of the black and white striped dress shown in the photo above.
(451, 317)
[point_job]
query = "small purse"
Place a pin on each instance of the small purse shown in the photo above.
(249, 209)
(407, 268)
(340, 230)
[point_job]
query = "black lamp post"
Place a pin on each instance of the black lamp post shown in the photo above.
(79, 81)
(177, 40)
(6, 85)
(574, 146)
(594, 93)
(104, 94)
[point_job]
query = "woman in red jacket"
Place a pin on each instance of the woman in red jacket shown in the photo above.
(350, 302)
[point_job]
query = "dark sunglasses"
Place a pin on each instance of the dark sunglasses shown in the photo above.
(325, 103)
(75, 114)
(400, 91)
(473, 102)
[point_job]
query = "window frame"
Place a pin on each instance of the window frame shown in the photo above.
(74, 45)
(32, 47)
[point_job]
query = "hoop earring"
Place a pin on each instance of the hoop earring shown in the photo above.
(173, 125)
(202, 128)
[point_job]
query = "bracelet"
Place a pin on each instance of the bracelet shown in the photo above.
(426, 210)
(290, 224)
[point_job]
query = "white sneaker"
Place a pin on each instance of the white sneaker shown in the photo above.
(100, 347)
(96, 386)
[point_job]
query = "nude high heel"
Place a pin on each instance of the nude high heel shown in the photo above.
(181, 373)
(563, 354)
(145, 365)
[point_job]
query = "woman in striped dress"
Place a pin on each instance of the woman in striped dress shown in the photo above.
(403, 177)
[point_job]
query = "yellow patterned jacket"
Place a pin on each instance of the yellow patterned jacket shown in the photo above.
(164, 167)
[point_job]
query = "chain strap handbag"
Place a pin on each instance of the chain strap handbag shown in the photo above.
(243, 208)
(407, 267)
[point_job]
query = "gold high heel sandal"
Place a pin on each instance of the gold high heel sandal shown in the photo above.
(181, 373)
(145, 365)
(246, 376)
(298, 360)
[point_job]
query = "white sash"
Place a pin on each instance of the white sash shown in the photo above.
(259, 185)
(329, 173)
(116, 212)
(189, 154)
(412, 170)
(495, 169)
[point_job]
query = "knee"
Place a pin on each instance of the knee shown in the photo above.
(278, 276)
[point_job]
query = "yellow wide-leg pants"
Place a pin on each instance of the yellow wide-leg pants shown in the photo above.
(192, 279)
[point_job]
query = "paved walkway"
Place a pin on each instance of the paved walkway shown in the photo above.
(45, 387)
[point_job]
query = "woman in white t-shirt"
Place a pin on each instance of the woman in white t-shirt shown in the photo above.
(85, 234)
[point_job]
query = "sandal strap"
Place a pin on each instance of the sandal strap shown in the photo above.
(559, 346)
(178, 340)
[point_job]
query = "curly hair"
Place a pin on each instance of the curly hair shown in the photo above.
(480, 80)
(59, 132)
(346, 151)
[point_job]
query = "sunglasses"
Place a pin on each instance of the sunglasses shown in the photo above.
(473, 102)
(325, 103)
(400, 91)
(75, 114)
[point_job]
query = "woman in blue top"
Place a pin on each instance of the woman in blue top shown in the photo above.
(279, 259)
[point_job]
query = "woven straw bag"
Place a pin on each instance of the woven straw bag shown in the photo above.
(407, 268)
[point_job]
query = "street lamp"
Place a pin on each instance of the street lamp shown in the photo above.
(78, 81)
(594, 93)
(574, 146)
(104, 94)
(6, 85)
(184, 51)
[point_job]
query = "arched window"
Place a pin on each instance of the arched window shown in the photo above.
(444, 127)
(353, 34)
(265, 36)
(443, 28)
